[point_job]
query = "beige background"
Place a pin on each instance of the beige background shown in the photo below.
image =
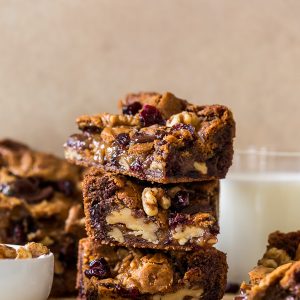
(63, 58)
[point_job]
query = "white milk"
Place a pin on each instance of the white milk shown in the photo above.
(252, 206)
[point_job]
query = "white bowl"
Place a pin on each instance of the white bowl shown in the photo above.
(26, 279)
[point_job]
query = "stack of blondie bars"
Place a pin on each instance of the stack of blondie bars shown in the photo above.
(151, 199)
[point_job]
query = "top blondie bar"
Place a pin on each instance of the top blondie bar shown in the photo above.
(158, 138)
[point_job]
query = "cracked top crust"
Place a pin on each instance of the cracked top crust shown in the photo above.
(169, 106)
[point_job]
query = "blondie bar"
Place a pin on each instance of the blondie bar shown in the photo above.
(126, 212)
(106, 272)
(158, 138)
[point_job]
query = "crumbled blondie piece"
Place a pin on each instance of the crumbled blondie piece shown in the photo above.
(36, 249)
(30, 250)
(277, 275)
(7, 252)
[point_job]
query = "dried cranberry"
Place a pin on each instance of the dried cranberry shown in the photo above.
(123, 139)
(131, 293)
(177, 219)
(181, 126)
(150, 116)
(180, 200)
(66, 187)
(132, 109)
(98, 268)
(136, 166)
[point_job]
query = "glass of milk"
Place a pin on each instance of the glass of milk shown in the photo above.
(261, 194)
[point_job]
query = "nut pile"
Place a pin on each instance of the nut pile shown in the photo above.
(30, 250)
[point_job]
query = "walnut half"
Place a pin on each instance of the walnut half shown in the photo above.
(152, 197)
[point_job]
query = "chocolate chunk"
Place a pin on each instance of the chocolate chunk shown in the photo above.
(132, 109)
(180, 200)
(66, 187)
(123, 140)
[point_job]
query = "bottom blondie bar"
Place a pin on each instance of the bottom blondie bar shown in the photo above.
(106, 272)
(277, 275)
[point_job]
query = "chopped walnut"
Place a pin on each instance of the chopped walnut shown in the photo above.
(258, 273)
(124, 162)
(149, 202)
(290, 280)
(7, 252)
(268, 280)
(164, 202)
(151, 197)
(201, 167)
(184, 117)
(150, 273)
(74, 217)
(37, 249)
(107, 120)
(30, 250)
(274, 257)
(23, 253)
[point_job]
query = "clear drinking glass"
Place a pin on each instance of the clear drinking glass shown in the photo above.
(261, 194)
